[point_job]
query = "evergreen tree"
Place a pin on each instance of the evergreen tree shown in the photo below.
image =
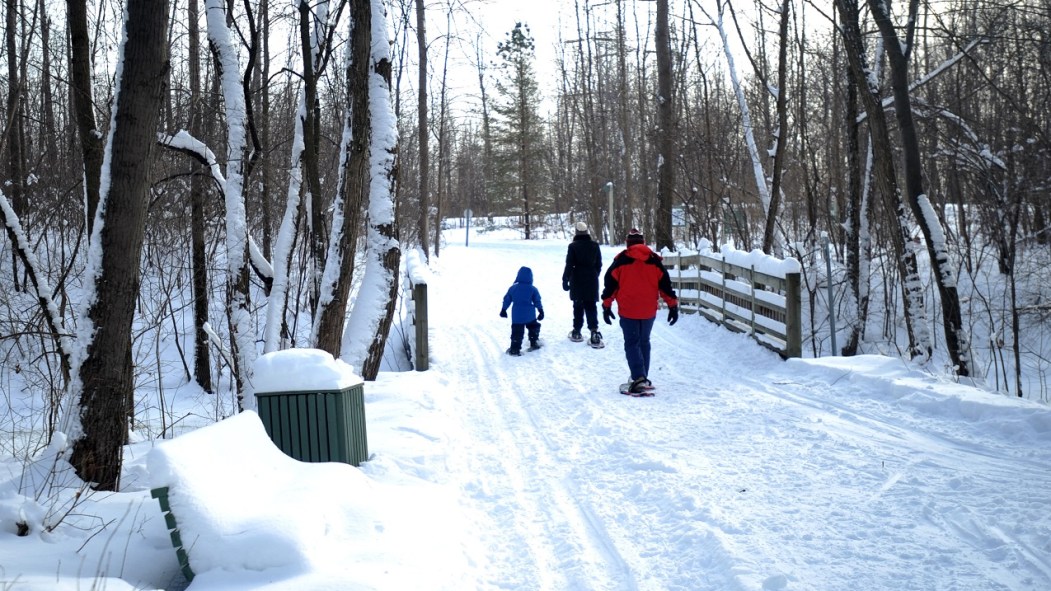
(518, 130)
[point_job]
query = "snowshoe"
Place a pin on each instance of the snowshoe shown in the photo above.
(638, 388)
(575, 336)
(533, 346)
(596, 341)
(514, 352)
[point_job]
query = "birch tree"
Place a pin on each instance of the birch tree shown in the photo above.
(747, 125)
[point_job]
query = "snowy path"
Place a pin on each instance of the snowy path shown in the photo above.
(744, 472)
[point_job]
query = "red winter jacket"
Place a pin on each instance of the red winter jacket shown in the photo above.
(635, 280)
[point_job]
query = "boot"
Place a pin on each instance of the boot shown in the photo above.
(596, 341)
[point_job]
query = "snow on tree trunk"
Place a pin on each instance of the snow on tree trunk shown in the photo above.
(52, 315)
(277, 301)
(330, 322)
(366, 331)
(885, 178)
(956, 342)
(242, 337)
(103, 380)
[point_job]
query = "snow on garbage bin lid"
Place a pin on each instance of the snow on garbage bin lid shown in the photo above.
(302, 370)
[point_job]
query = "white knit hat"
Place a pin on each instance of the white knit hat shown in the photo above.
(582, 228)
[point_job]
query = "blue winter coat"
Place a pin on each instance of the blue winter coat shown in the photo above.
(523, 298)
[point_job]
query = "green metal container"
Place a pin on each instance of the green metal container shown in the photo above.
(326, 426)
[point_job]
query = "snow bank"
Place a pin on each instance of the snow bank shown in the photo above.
(241, 504)
(1023, 422)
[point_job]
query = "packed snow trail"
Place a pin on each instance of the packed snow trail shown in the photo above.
(744, 472)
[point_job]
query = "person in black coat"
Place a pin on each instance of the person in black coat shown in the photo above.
(580, 279)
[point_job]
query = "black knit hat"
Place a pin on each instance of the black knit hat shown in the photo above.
(635, 237)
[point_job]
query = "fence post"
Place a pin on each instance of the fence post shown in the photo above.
(751, 286)
(722, 296)
(793, 316)
(419, 298)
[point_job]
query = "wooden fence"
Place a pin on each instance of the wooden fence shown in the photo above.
(743, 299)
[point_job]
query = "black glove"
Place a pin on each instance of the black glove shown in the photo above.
(607, 315)
(503, 312)
(673, 315)
(540, 315)
(565, 285)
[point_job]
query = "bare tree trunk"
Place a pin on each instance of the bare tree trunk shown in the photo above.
(444, 148)
(627, 145)
(84, 105)
(47, 95)
(263, 75)
(666, 157)
(424, 136)
(202, 358)
(944, 277)
(355, 178)
(782, 132)
(312, 146)
(14, 125)
(105, 377)
(856, 215)
(886, 182)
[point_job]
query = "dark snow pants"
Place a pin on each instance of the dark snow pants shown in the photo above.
(637, 345)
(582, 308)
(517, 331)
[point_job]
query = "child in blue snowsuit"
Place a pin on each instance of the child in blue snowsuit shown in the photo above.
(526, 311)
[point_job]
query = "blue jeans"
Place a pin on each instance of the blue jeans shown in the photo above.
(637, 345)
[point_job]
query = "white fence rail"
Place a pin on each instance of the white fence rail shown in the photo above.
(746, 292)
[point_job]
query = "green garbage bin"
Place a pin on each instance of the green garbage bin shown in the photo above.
(323, 426)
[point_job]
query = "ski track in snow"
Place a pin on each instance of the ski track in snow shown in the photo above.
(578, 487)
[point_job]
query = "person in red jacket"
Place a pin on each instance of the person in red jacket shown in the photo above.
(635, 280)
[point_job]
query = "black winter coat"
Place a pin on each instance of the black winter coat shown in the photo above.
(583, 265)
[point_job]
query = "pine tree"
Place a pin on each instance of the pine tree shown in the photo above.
(518, 130)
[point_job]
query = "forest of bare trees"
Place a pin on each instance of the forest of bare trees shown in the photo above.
(242, 166)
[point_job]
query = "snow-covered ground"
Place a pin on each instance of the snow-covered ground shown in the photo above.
(744, 472)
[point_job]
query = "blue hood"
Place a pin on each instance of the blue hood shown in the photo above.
(525, 275)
